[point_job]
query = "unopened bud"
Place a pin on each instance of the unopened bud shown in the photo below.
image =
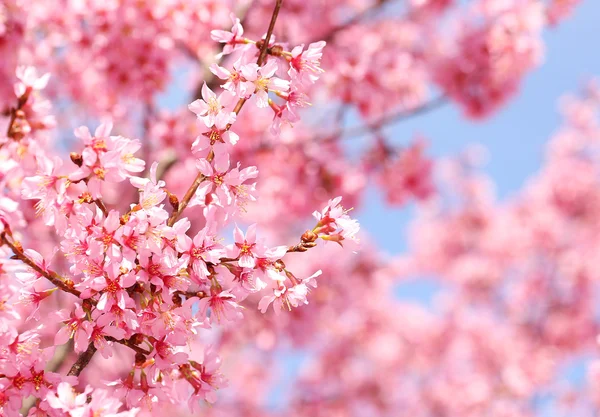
(137, 338)
(87, 305)
(276, 50)
(76, 158)
(174, 201)
(309, 236)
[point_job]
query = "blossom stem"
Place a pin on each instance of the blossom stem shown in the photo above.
(102, 206)
(190, 294)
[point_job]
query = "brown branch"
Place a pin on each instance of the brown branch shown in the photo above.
(186, 199)
(238, 107)
(82, 361)
(263, 51)
(51, 276)
(101, 206)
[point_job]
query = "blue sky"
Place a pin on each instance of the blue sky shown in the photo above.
(516, 135)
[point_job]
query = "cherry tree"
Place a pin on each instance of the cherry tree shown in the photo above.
(162, 258)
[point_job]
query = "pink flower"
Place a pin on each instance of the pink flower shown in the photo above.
(151, 190)
(218, 134)
(334, 223)
(305, 66)
(114, 288)
(66, 398)
(197, 252)
(231, 39)
(32, 297)
(47, 187)
(235, 82)
(165, 355)
(264, 80)
(244, 247)
(222, 306)
(102, 329)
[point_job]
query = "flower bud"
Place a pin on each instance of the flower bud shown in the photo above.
(174, 201)
(309, 236)
(76, 158)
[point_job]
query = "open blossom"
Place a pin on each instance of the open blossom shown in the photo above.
(76, 327)
(218, 135)
(244, 247)
(106, 158)
(198, 251)
(210, 106)
(100, 403)
(234, 80)
(264, 81)
(334, 223)
(232, 38)
(305, 65)
(151, 190)
(222, 304)
(66, 398)
(29, 80)
(226, 186)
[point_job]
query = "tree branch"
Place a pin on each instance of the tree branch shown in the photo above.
(51, 276)
(82, 361)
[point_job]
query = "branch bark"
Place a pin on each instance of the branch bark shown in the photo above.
(82, 361)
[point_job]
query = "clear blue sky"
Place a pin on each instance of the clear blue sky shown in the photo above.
(515, 136)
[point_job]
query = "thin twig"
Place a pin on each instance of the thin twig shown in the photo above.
(51, 276)
(263, 50)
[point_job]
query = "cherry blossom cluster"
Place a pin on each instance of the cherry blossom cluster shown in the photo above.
(150, 277)
(146, 279)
